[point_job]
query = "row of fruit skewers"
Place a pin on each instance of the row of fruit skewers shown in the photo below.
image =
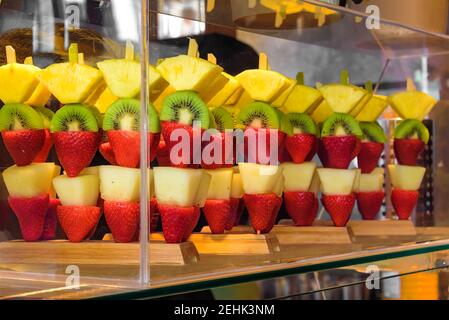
(185, 89)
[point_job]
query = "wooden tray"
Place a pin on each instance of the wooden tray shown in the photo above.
(231, 243)
(95, 252)
(391, 230)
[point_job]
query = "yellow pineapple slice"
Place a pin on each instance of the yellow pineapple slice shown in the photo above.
(280, 100)
(188, 72)
(160, 99)
(17, 81)
(313, 9)
(105, 99)
(368, 95)
(41, 95)
(322, 112)
(302, 99)
(412, 104)
(373, 109)
(70, 82)
(215, 87)
(225, 93)
(157, 83)
(244, 100)
(234, 98)
(283, 6)
(263, 85)
(96, 93)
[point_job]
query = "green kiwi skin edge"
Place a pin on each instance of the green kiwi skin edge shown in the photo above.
(285, 124)
(303, 123)
(258, 115)
(372, 131)
(412, 129)
(223, 119)
(74, 117)
(341, 124)
(16, 116)
(185, 107)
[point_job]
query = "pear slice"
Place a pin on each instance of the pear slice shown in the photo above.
(406, 177)
(412, 104)
(336, 181)
(263, 85)
(189, 73)
(298, 177)
(342, 98)
(78, 191)
(259, 179)
(372, 109)
(220, 184)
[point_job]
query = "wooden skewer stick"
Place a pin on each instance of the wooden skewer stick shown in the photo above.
(10, 55)
(193, 48)
(410, 85)
(279, 20)
(263, 61)
(211, 58)
(129, 51)
(344, 77)
(300, 78)
(28, 60)
(210, 5)
(81, 58)
(73, 53)
(369, 86)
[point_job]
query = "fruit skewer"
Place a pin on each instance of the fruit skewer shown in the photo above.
(237, 203)
(370, 194)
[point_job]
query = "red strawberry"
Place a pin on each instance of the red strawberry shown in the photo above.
(301, 146)
(75, 149)
(153, 219)
(358, 147)
(236, 211)
(51, 220)
(337, 151)
(404, 201)
(285, 156)
(222, 141)
(107, 153)
(182, 140)
(153, 144)
(31, 213)
(126, 147)
(78, 221)
(258, 151)
(163, 154)
(369, 203)
(48, 143)
(302, 207)
(369, 156)
(195, 217)
(123, 218)
(177, 222)
(339, 207)
(24, 146)
(261, 209)
(408, 150)
(217, 214)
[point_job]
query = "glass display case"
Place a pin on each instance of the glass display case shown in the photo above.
(291, 149)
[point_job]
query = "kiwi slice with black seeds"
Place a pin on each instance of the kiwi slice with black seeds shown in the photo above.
(284, 122)
(412, 129)
(74, 117)
(223, 119)
(302, 123)
(372, 131)
(46, 115)
(258, 115)
(341, 124)
(185, 107)
(16, 117)
(124, 114)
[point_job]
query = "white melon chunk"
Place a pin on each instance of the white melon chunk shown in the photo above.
(29, 181)
(77, 191)
(315, 184)
(371, 182)
(220, 185)
(90, 171)
(237, 186)
(298, 177)
(119, 183)
(336, 181)
(56, 173)
(406, 177)
(379, 170)
(177, 186)
(203, 189)
(279, 186)
(259, 178)
(358, 172)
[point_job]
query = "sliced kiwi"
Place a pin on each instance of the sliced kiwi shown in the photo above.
(97, 115)
(74, 117)
(212, 123)
(16, 116)
(373, 132)
(284, 122)
(46, 115)
(341, 124)
(302, 123)
(412, 129)
(258, 115)
(223, 119)
(124, 114)
(185, 107)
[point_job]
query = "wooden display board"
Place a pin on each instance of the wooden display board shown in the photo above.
(95, 252)
(392, 230)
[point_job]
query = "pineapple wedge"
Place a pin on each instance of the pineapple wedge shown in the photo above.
(263, 85)
(234, 98)
(122, 76)
(70, 82)
(244, 100)
(18, 82)
(303, 99)
(279, 101)
(290, 7)
(160, 99)
(336, 181)
(189, 73)
(40, 96)
(105, 99)
(322, 112)
(412, 104)
(406, 177)
(342, 98)
(359, 107)
(373, 109)
(156, 83)
(214, 88)
(230, 88)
